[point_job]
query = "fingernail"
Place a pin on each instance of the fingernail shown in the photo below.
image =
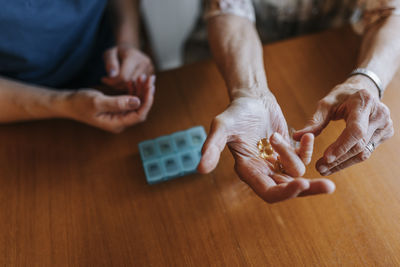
(323, 169)
(276, 138)
(143, 77)
(330, 159)
(113, 73)
(153, 90)
(133, 102)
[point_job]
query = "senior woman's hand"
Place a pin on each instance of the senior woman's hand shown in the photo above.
(368, 124)
(241, 126)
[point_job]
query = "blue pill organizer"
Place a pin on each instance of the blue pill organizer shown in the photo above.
(172, 156)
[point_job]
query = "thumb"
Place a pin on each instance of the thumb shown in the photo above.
(118, 103)
(318, 122)
(213, 147)
(112, 62)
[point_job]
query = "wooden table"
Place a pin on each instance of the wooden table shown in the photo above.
(71, 195)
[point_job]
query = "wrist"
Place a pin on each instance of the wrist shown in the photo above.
(61, 103)
(252, 92)
(128, 37)
(128, 44)
(362, 82)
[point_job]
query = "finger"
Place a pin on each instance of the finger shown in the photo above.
(117, 103)
(213, 146)
(290, 160)
(131, 88)
(263, 181)
(115, 83)
(350, 162)
(284, 191)
(379, 136)
(374, 135)
(112, 62)
(356, 130)
(132, 118)
(306, 148)
(318, 122)
(147, 91)
(138, 71)
(128, 67)
(319, 186)
(140, 84)
(149, 69)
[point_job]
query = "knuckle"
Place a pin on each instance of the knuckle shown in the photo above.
(324, 104)
(340, 150)
(363, 156)
(313, 120)
(298, 170)
(218, 122)
(334, 164)
(357, 148)
(365, 95)
(384, 110)
(357, 131)
(362, 143)
(391, 132)
(94, 102)
(390, 123)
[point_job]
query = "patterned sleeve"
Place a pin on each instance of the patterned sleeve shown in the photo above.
(369, 12)
(242, 8)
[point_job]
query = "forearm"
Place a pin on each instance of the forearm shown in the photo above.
(127, 22)
(20, 102)
(380, 50)
(238, 53)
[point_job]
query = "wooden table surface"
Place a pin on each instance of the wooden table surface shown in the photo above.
(72, 195)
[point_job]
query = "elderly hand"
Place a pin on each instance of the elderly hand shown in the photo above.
(368, 124)
(110, 113)
(241, 126)
(124, 64)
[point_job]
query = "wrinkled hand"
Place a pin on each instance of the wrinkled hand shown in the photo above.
(125, 64)
(241, 126)
(367, 120)
(110, 113)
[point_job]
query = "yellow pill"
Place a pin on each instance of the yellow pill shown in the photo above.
(269, 150)
(260, 146)
(265, 142)
(262, 143)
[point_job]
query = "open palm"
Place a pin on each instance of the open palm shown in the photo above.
(240, 126)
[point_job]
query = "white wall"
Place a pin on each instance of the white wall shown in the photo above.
(168, 24)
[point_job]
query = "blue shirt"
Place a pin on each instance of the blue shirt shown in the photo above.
(52, 42)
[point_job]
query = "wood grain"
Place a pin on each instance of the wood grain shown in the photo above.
(71, 195)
